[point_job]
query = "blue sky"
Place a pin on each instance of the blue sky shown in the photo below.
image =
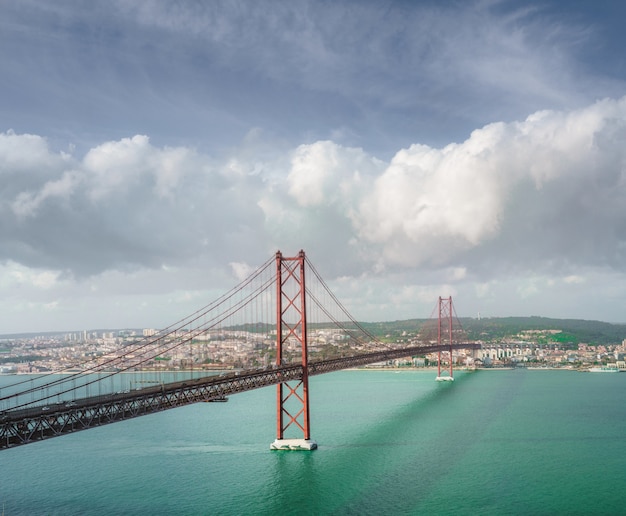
(152, 150)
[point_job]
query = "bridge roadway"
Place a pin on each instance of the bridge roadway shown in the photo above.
(24, 426)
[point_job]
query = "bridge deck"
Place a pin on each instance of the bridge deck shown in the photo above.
(23, 426)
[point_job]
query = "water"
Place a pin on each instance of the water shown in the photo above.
(492, 442)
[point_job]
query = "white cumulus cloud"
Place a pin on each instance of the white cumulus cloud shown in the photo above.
(537, 199)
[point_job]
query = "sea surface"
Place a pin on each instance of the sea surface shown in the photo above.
(390, 442)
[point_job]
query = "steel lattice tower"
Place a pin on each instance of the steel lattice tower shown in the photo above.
(444, 333)
(292, 400)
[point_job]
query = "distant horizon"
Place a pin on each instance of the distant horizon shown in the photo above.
(141, 328)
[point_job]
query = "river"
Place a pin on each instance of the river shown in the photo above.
(390, 442)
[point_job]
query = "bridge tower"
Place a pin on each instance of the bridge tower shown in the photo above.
(292, 400)
(444, 335)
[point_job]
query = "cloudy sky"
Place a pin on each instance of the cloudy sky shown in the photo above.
(152, 150)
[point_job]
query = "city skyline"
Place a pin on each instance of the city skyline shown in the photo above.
(153, 154)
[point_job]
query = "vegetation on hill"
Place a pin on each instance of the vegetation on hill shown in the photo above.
(571, 332)
(575, 331)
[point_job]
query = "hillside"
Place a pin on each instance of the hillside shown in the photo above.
(572, 331)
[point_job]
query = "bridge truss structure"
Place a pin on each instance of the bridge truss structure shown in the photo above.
(51, 405)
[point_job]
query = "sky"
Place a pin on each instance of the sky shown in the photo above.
(153, 151)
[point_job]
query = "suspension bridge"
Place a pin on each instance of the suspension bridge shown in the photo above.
(277, 327)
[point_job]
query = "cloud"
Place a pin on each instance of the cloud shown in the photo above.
(536, 199)
(327, 173)
(372, 72)
(126, 204)
(242, 270)
(548, 189)
(443, 43)
(26, 203)
(14, 275)
(368, 75)
(545, 191)
(430, 203)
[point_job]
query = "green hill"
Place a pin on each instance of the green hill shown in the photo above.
(571, 331)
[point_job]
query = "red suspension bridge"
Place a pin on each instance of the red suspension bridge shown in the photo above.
(280, 330)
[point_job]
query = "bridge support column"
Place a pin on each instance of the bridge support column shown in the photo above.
(292, 400)
(444, 335)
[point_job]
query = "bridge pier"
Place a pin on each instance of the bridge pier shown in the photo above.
(293, 444)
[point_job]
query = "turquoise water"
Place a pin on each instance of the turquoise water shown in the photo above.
(492, 442)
